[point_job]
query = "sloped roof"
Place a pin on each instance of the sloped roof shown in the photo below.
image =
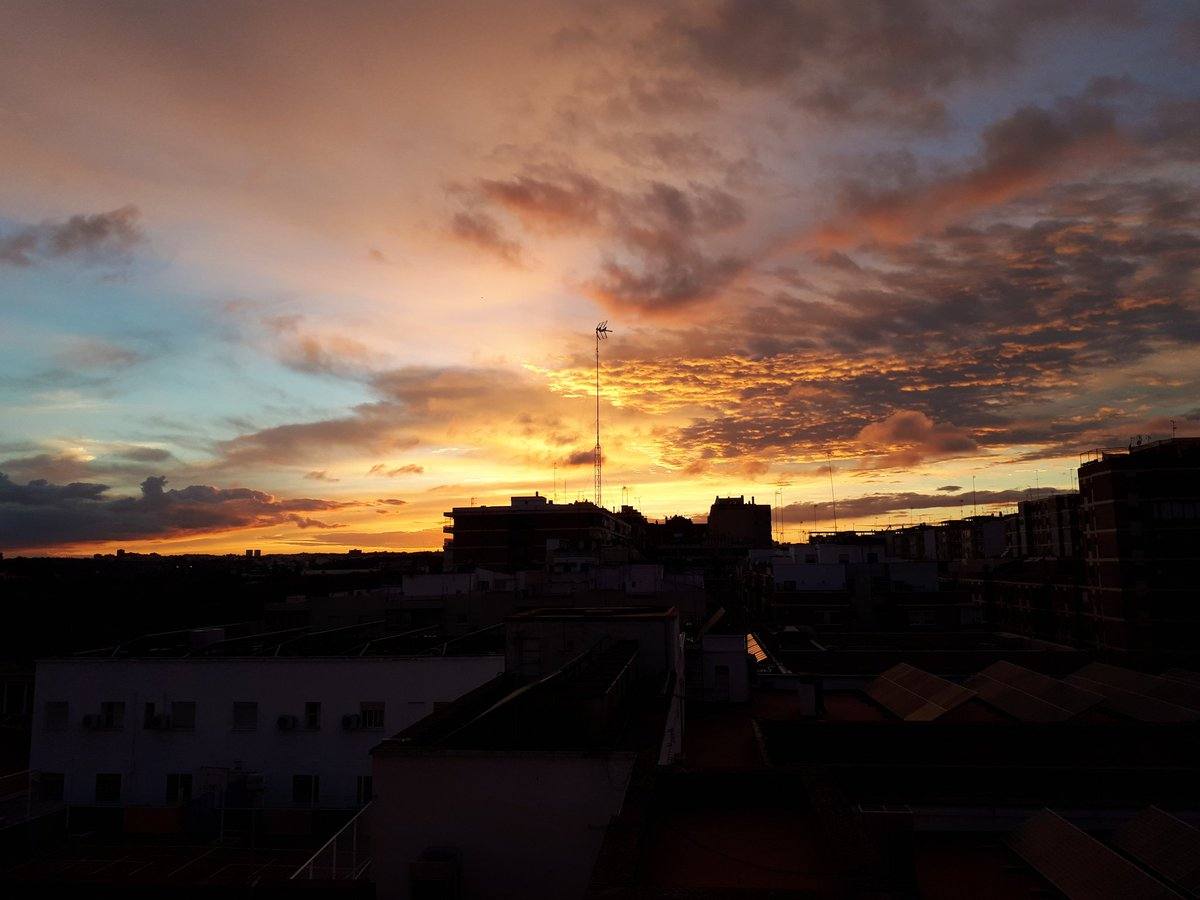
(1183, 675)
(1031, 696)
(915, 695)
(1078, 864)
(1147, 698)
(1165, 845)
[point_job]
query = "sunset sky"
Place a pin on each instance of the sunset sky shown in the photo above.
(302, 276)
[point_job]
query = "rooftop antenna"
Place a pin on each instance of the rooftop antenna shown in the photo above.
(779, 486)
(602, 334)
(832, 496)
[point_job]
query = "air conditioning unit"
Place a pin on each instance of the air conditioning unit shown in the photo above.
(351, 721)
(287, 723)
(93, 721)
(256, 782)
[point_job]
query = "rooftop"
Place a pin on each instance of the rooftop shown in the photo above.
(586, 705)
(1078, 864)
(366, 639)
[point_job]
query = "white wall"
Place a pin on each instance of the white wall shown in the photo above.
(281, 686)
(527, 825)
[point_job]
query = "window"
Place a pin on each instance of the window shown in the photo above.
(183, 715)
(57, 712)
(148, 716)
(108, 788)
(112, 714)
(50, 787)
(306, 789)
(312, 715)
(179, 787)
(372, 713)
(245, 716)
(365, 790)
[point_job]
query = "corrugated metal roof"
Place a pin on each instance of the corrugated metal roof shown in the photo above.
(1165, 845)
(1030, 696)
(1135, 694)
(1079, 865)
(915, 695)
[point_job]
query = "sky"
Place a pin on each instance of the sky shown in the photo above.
(303, 276)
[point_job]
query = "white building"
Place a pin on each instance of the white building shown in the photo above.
(268, 731)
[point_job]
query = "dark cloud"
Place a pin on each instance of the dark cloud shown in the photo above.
(655, 254)
(319, 475)
(483, 231)
(1024, 152)
(888, 61)
(882, 504)
(95, 238)
(950, 488)
(42, 514)
(585, 456)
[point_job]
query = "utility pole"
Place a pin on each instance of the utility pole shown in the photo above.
(602, 334)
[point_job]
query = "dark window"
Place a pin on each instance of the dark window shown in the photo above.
(245, 716)
(148, 716)
(306, 790)
(365, 790)
(50, 787)
(108, 788)
(57, 712)
(312, 716)
(372, 713)
(183, 715)
(179, 787)
(112, 714)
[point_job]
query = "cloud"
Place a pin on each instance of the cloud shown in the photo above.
(1023, 152)
(301, 347)
(319, 475)
(584, 456)
(909, 437)
(872, 505)
(409, 469)
(950, 488)
(654, 258)
(483, 231)
(42, 514)
(888, 61)
(91, 238)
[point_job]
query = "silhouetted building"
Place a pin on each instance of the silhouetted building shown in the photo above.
(524, 534)
(734, 522)
(1141, 543)
(1050, 526)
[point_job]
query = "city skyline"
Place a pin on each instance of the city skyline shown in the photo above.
(303, 278)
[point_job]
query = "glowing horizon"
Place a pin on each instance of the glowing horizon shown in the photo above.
(331, 271)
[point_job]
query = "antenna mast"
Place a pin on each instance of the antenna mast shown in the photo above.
(602, 334)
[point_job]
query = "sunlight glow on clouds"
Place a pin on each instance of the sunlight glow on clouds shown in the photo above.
(330, 270)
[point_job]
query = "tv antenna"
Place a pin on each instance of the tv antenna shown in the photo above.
(602, 333)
